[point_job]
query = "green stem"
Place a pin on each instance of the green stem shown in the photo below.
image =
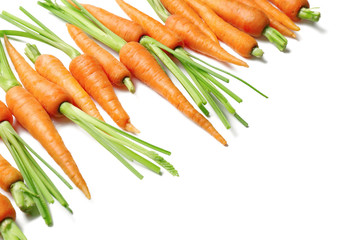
(129, 85)
(10, 231)
(275, 37)
(257, 52)
(7, 77)
(159, 9)
(32, 52)
(23, 197)
(309, 14)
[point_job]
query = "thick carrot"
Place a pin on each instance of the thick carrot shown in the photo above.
(297, 9)
(129, 30)
(281, 17)
(8, 174)
(181, 8)
(5, 114)
(52, 69)
(6, 209)
(114, 69)
(152, 27)
(100, 89)
(239, 41)
(145, 67)
(248, 19)
(273, 22)
(32, 116)
(50, 95)
(198, 41)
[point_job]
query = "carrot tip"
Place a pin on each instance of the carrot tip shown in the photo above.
(130, 128)
(86, 192)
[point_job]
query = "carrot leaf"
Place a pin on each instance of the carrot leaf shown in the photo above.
(159, 9)
(7, 77)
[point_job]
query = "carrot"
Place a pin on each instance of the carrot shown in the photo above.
(198, 41)
(273, 22)
(152, 27)
(8, 174)
(8, 227)
(248, 19)
(281, 17)
(129, 30)
(145, 67)
(5, 114)
(179, 7)
(34, 118)
(297, 9)
(100, 89)
(239, 41)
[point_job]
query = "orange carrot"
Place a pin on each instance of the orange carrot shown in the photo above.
(100, 89)
(6, 209)
(32, 116)
(5, 114)
(8, 174)
(129, 30)
(152, 27)
(145, 67)
(50, 95)
(198, 41)
(114, 69)
(248, 19)
(239, 41)
(277, 14)
(273, 22)
(181, 8)
(291, 7)
(52, 69)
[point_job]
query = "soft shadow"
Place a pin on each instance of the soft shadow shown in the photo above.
(314, 25)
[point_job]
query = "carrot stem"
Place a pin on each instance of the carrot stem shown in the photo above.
(257, 52)
(275, 37)
(159, 9)
(10, 231)
(7, 77)
(309, 14)
(23, 197)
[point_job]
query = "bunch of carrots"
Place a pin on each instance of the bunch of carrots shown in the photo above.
(145, 46)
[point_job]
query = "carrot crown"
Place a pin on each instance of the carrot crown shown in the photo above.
(160, 10)
(9, 230)
(7, 77)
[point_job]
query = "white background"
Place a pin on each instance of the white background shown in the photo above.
(294, 174)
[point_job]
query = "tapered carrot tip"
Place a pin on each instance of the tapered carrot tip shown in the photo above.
(130, 128)
(86, 192)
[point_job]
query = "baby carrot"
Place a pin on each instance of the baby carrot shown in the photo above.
(297, 10)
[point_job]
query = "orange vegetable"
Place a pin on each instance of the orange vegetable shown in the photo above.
(195, 39)
(5, 114)
(179, 7)
(239, 41)
(6, 209)
(291, 7)
(8, 174)
(145, 67)
(152, 27)
(52, 69)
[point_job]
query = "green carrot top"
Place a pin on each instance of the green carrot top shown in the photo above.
(7, 77)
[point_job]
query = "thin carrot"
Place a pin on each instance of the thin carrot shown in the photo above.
(8, 227)
(152, 27)
(297, 9)
(198, 41)
(281, 17)
(145, 67)
(273, 22)
(8, 174)
(129, 30)
(180, 7)
(239, 41)
(248, 19)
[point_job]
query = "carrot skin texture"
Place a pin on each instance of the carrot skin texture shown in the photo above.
(50, 95)
(128, 30)
(152, 27)
(6, 209)
(239, 41)
(5, 114)
(114, 69)
(179, 7)
(281, 17)
(53, 70)
(145, 67)
(8, 174)
(33, 117)
(291, 7)
(273, 22)
(198, 41)
(99, 87)
(248, 19)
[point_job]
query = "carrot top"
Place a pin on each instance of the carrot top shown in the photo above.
(9, 230)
